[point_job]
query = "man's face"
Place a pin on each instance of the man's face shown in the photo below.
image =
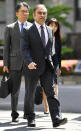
(40, 15)
(22, 14)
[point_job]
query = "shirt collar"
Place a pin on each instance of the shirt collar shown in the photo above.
(25, 23)
(38, 25)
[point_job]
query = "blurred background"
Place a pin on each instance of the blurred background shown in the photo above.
(68, 12)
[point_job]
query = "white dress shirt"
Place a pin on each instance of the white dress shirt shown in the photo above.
(53, 48)
(45, 31)
(25, 24)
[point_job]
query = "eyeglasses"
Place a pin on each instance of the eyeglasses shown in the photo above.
(40, 13)
(25, 11)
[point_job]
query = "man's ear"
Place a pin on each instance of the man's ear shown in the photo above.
(16, 13)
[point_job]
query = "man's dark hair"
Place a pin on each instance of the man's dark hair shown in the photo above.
(21, 4)
(39, 5)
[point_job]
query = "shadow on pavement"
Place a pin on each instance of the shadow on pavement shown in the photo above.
(77, 118)
(32, 129)
(22, 126)
(8, 124)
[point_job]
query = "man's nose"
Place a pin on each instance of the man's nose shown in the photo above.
(42, 14)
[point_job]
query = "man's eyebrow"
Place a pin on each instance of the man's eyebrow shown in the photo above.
(41, 11)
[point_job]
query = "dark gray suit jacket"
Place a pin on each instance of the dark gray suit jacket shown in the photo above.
(12, 54)
(33, 50)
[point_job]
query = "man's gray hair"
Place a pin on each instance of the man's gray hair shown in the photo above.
(38, 6)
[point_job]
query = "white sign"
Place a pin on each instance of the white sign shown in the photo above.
(78, 67)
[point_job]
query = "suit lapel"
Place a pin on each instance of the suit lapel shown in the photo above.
(17, 30)
(37, 34)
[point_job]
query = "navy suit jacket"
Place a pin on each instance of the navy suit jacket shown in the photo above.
(33, 50)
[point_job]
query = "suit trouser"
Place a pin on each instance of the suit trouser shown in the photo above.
(46, 80)
(16, 81)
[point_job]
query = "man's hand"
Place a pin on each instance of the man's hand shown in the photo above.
(5, 69)
(32, 66)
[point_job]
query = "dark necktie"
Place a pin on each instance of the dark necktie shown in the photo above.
(43, 36)
(22, 27)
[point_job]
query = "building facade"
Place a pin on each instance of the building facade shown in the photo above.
(7, 15)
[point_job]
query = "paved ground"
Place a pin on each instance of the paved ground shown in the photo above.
(43, 122)
(70, 97)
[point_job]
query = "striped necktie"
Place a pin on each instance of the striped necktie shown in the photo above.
(43, 36)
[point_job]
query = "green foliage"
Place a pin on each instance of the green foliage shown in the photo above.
(64, 71)
(40, 1)
(57, 11)
(64, 40)
(1, 70)
(31, 15)
(67, 70)
(25, 0)
(60, 12)
(67, 52)
(2, 42)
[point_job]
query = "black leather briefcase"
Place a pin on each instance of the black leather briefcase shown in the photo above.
(5, 85)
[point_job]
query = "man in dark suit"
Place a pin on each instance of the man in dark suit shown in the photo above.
(13, 60)
(36, 45)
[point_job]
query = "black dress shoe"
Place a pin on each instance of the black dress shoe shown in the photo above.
(15, 115)
(31, 123)
(15, 119)
(59, 122)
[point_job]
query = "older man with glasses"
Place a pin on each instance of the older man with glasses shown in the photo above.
(36, 45)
